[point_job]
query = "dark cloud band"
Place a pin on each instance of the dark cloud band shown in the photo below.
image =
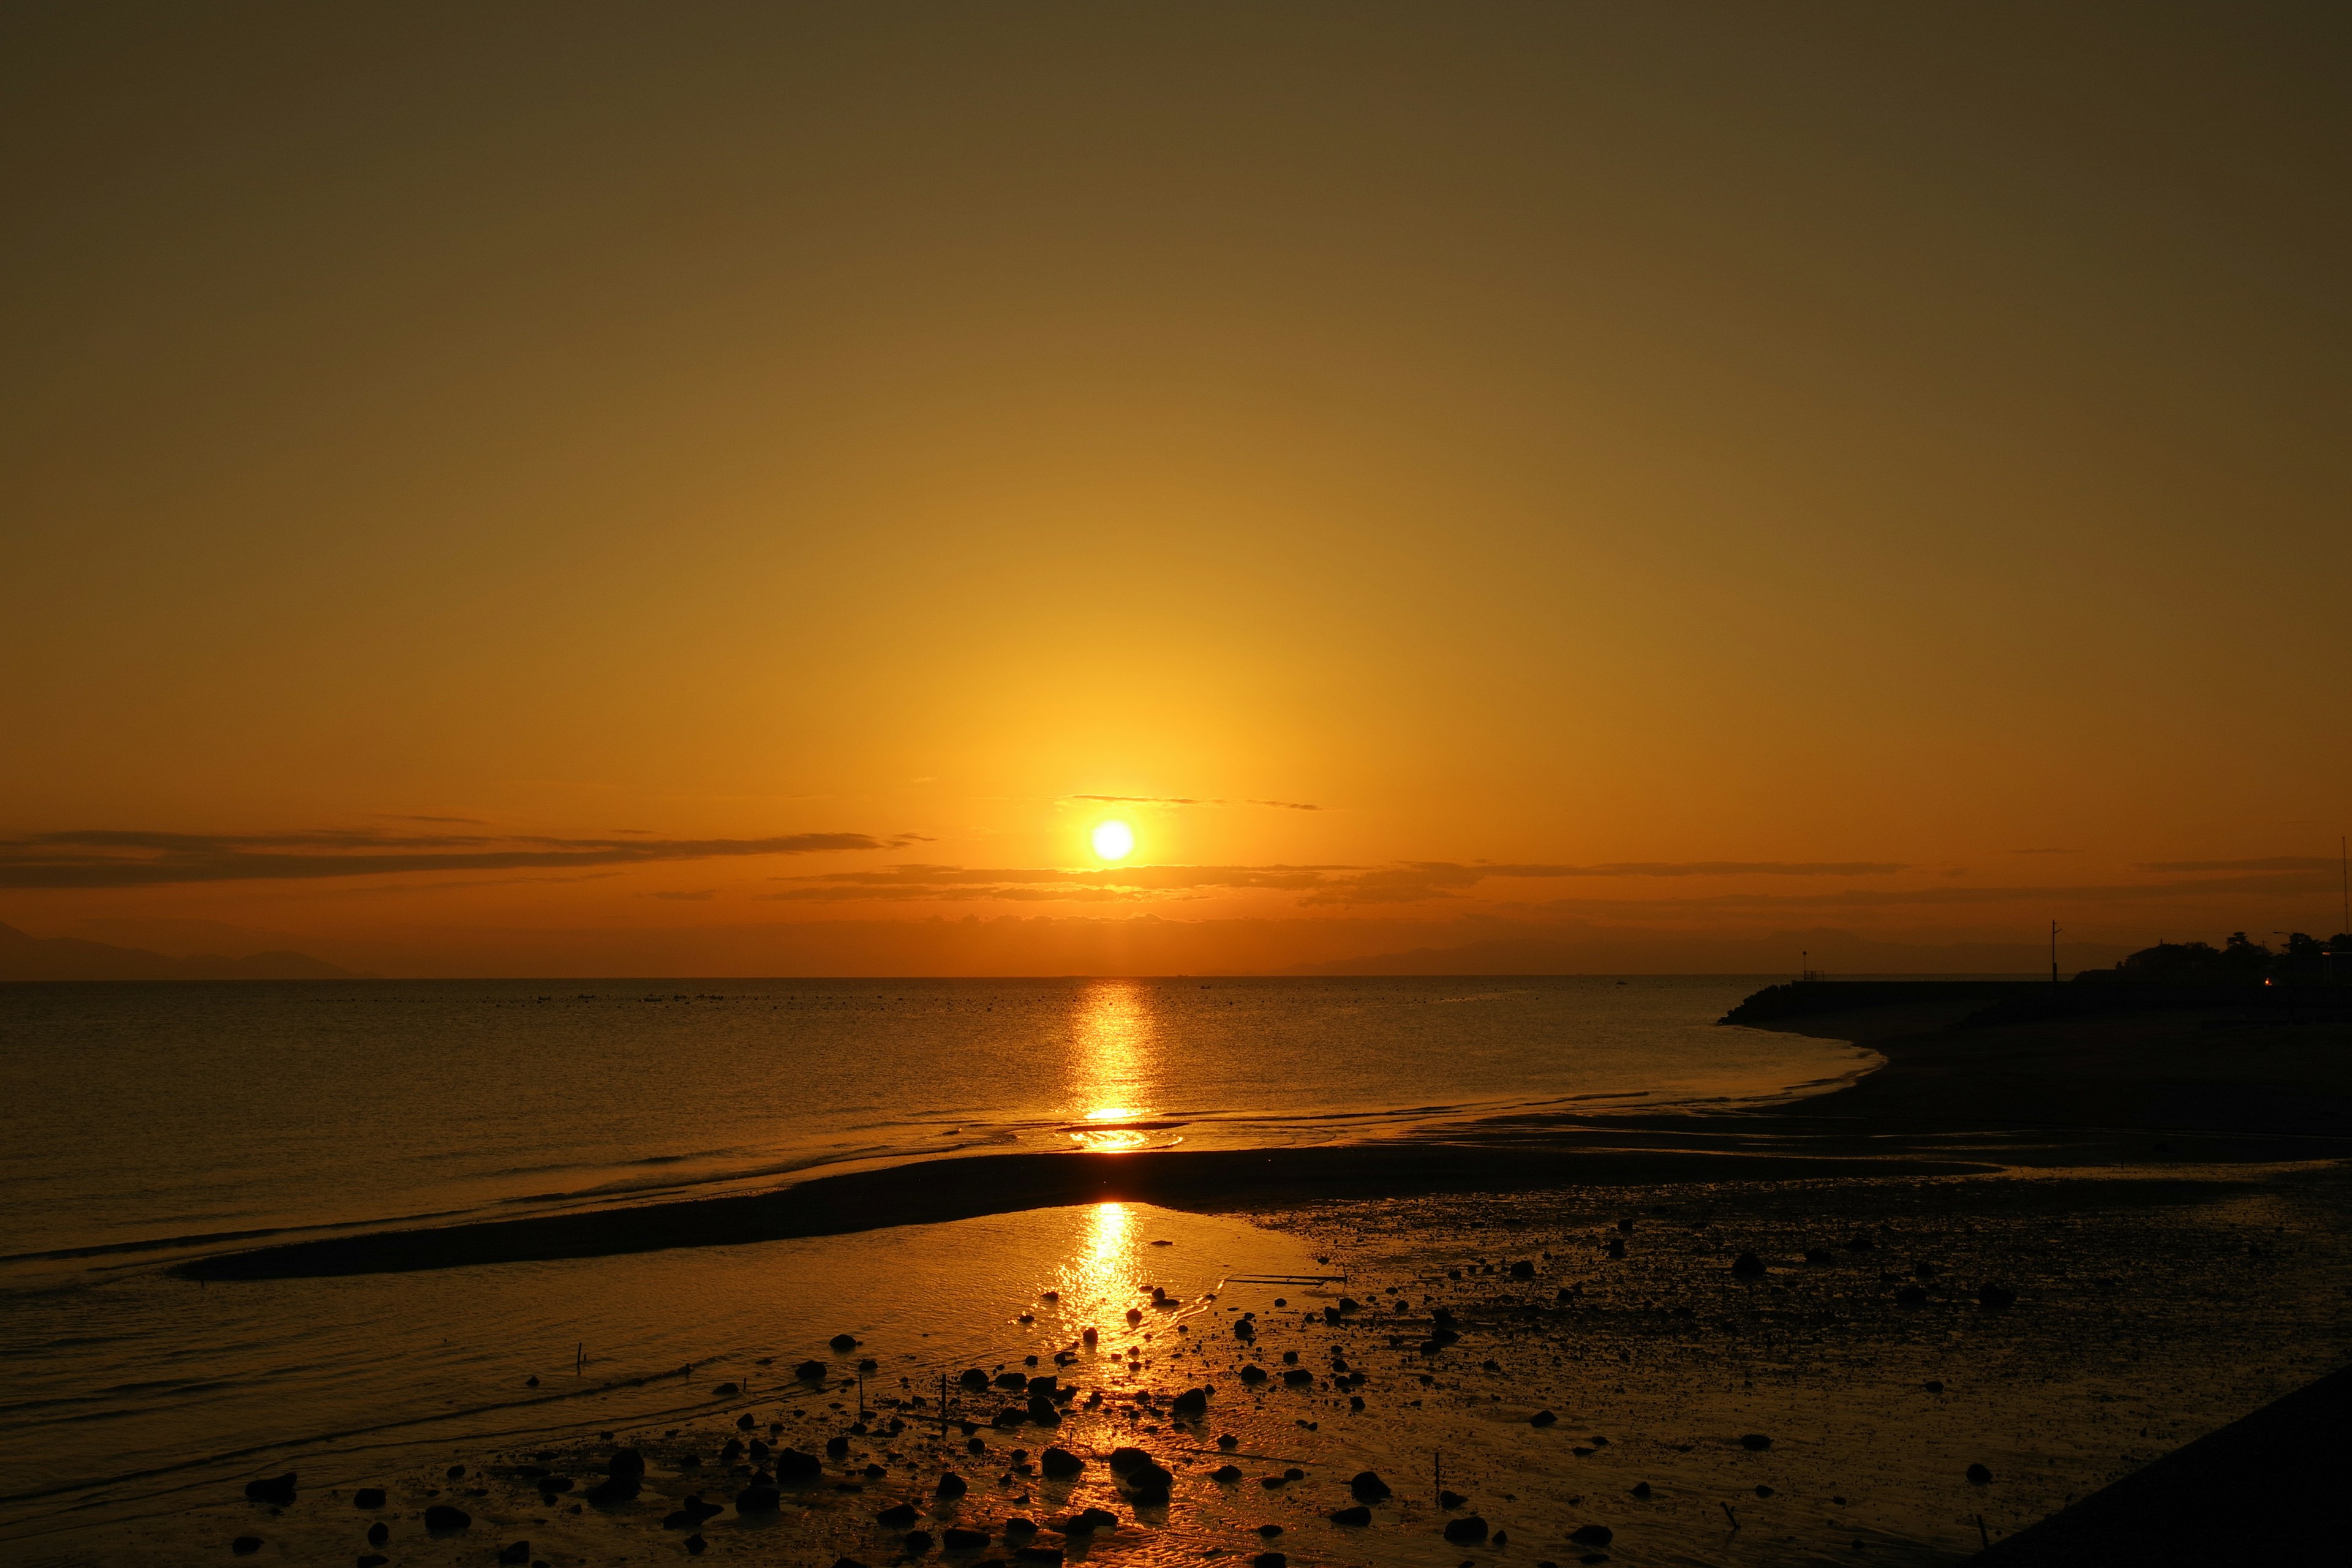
(108, 857)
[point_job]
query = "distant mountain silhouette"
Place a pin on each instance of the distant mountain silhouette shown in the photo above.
(26, 957)
(1619, 953)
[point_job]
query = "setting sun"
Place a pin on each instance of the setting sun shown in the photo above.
(1114, 840)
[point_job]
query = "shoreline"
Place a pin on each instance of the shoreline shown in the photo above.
(1946, 1099)
(1208, 1180)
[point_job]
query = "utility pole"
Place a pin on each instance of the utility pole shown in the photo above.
(2054, 952)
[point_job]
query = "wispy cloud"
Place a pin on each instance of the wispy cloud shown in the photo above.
(2271, 863)
(1190, 800)
(112, 858)
(1405, 882)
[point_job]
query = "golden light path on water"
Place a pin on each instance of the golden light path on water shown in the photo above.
(1115, 1050)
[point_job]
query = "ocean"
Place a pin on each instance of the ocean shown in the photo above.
(151, 1123)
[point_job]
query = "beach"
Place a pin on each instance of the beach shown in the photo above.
(2059, 1298)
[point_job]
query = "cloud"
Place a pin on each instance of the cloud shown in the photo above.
(2275, 863)
(1188, 800)
(2046, 897)
(111, 857)
(1405, 882)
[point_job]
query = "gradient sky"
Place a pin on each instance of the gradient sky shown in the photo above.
(733, 487)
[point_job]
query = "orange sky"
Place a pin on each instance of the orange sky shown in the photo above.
(1634, 474)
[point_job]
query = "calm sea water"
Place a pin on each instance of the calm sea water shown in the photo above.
(151, 1122)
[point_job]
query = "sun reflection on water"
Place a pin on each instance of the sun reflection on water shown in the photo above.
(1114, 1054)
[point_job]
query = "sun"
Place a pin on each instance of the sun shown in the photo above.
(1114, 840)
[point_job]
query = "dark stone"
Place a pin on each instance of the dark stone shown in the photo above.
(1542, 1418)
(626, 1462)
(1190, 1404)
(1748, 1266)
(971, 1377)
(1819, 1254)
(278, 1492)
(961, 1540)
(836, 1447)
(843, 1343)
(1763, 1491)
(897, 1516)
(1616, 1248)
(1123, 1460)
(1933, 1385)
(1755, 1441)
(456, 1472)
(1016, 1525)
(1060, 1464)
(1042, 1411)
(1298, 1377)
(1253, 1374)
(515, 1551)
(811, 1371)
(1591, 1535)
(758, 1498)
(1228, 1442)
(1099, 1519)
(1013, 1380)
(1642, 1490)
(1450, 1499)
(951, 1486)
(1979, 1475)
(732, 1449)
(916, 1542)
(378, 1533)
(1467, 1531)
(1523, 1270)
(368, 1497)
(1049, 1555)
(725, 1391)
(372, 1559)
(1268, 1560)
(1244, 1330)
(615, 1490)
(1995, 1297)
(1358, 1514)
(1226, 1473)
(1911, 1295)
(1368, 1487)
(695, 1546)
(245, 1546)
(441, 1516)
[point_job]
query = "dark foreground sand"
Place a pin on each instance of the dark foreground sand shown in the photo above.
(2156, 1207)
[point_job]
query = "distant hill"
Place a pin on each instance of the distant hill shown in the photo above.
(1615, 953)
(26, 957)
